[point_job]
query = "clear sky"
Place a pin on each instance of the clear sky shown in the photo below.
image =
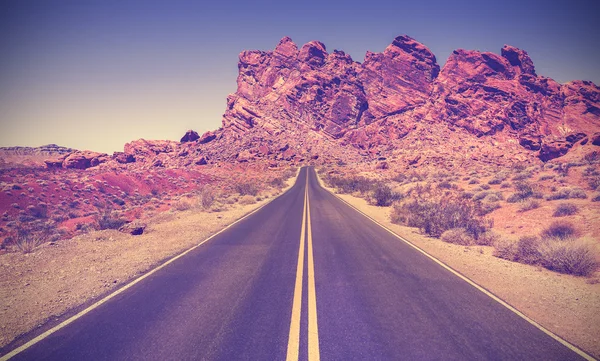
(96, 74)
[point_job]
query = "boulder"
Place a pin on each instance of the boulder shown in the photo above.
(123, 158)
(596, 139)
(207, 137)
(190, 136)
(133, 228)
(553, 150)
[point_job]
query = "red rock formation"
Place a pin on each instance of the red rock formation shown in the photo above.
(379, 105)
(84, 160)
(189, 136)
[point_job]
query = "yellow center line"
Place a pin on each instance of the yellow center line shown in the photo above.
(293, 348)
(313, 330)
(294, 337)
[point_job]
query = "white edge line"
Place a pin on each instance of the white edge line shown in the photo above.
(565, 343)
(132, 283)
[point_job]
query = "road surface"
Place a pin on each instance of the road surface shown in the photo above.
(306, 277)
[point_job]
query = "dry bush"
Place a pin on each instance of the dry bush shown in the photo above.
(110, 220)
(594, 183)
(182, 205)
(527, 250)
(277, 182)
(435, 211)
(484, 208)
(487, 238)
(384, 196)
(523, 190)
(592, 157)
(33, 235)
(505, 249)
(567, 193)
(565, 209)
(207, 197)
(457, 236)
(529, 205)
(596, 197)
(246, 188)
(247, 199)
(351, 184)
(574, 258)
(560, 230)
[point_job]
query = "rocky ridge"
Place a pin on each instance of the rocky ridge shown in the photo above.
(492, 104)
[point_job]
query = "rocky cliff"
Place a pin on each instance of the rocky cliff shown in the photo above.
(401, 97)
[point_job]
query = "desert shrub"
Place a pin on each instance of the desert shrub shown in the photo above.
(467, 195)
(514, 198)
(30, 237)
(505, 185)
(527, 250)
(566, 193)
(474, 181)
(519, 167)
(505, 249)
(495, 181)
(110, 220)
(246, 188)
(565, 209)
(546, 177)
(484, 208)
(207, 197)
(435, 213)
(594, 183)
(384, 196)
(445, 185)
(399, 177)
(562, 169)
(480, 195)
(494, 197)
(529, 205)
(485, 186)
(182, 205)
(487, 238)
(521, 176)
(351, 184)
(523, 190)
(277, 182)
(592, 157)
(560, 230)
(38, 211)
(457, 236)
(574, 258)
(562, 193)
(118, 201)
(596, 197)
(247, 199)
(577, 193)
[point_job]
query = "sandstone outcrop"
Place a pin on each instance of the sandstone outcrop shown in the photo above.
(379, 105)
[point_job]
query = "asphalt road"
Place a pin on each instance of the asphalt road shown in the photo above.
(305, 277)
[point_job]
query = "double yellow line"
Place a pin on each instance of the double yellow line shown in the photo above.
(313, 331)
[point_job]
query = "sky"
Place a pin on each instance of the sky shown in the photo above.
(94, 75)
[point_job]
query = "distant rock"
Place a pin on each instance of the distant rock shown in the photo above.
(84, 160)
(189, 136)
(207, 137)
(389, 101)
(133, 228)
(123, 158)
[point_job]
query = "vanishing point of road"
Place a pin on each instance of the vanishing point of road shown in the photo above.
(306, 277)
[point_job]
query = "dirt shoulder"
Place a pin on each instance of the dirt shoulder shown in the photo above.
(568, 306)
(46, 284)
